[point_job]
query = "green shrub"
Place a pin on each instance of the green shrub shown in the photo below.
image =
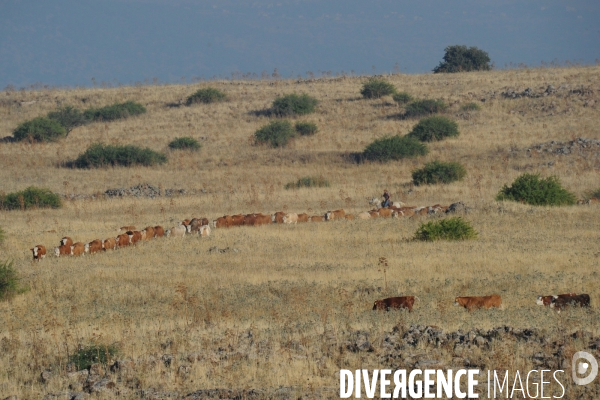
(277, 133)
(463, 59)
(9, 281)
(39, 129)
(308, 181)
(422, 108)
(2, 236)
(185, 143)
(306, 128)
(293, 104)
(470, 107)
(114, 111)
(434, 128)
(94, 354)
(438, 172)
(402, 98)
(207, 95)
(530, 189)
(100, 155)
(375, 88)
(32, 197)
(69, 117)
(446, 229)
(394, 148)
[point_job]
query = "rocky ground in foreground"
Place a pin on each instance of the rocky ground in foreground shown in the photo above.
(404, 347)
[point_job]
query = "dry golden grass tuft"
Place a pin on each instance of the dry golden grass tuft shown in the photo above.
(310, 284)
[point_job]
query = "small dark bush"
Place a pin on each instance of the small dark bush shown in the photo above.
(530, 189)
(438, 172)
(394, 148)
(293, 104)
(463, 59)
(423, 108)
(402, 98)
(2, 236)
(100, 155)
(308, 181)
(446, 229)
(306, 128)
(94, 354)
(69, 117)
(32, 197)
(9, 281)
(470, 107)
(277, 133)
(185, 143)
(39, 129)
(207, 95)
(434, 128)
(375, 88)
(114, 111)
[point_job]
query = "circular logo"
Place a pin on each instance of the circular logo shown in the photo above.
(583, 364)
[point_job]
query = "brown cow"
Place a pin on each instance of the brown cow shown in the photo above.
(386, 212)
(349, 217)
(337, 214)
(66, 241)
(62, 251)
(159, 231)
(109, 244)
(317, 218)
(547, 300)
(149, 232)
(78, 249)
(395, 302)
(123, 240)
(374, 214)
(475, 302)
(39, 252)
(237, 220)
(222, 222)
(302, 217)
(93, 247)
(278, 217)
(559, 303)
(135, 236)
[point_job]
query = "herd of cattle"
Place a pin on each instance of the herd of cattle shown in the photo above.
(557, 302)
(201, 227)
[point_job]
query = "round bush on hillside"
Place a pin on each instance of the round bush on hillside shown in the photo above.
(375, 88)
(293, 104)
(69, 117)
(306, 128)
(530, 189)
(39, 129)
(114, 111)
(402, 98)
(277, 133)
(185, 143)
(422, 108)
(446, 229)
(9, 280)
(207, 95)
(463, 59)
(32, 197)
(434, 128)
(100, 155)
(394, 148)
(308, 181)
(2, 236)
(438, 172)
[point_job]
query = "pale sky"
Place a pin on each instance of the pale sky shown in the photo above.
(76, 42)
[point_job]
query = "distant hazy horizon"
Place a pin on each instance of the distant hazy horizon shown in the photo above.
(112, 42)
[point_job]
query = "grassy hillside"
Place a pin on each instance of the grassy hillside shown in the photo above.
(281, 310)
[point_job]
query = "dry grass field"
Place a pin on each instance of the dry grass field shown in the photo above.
(279, 317)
